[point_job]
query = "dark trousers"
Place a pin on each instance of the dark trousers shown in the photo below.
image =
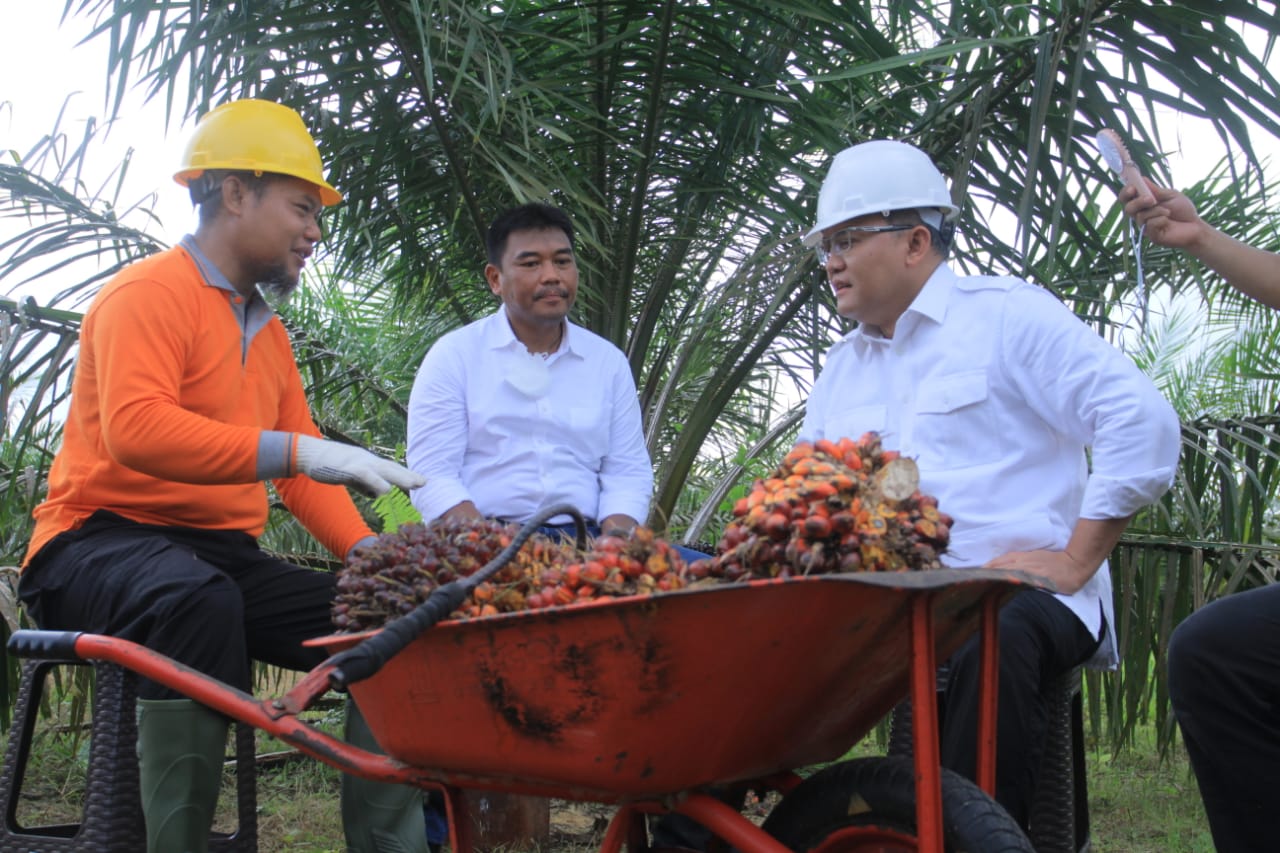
(1040, 639)
(209, 599)
(1224, 682)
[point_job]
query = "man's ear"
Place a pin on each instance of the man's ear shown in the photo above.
(234, 193)
(919, 245)
(493, 275)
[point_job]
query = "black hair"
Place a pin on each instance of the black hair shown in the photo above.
(939, 238)
(206, 190)
(534, 216)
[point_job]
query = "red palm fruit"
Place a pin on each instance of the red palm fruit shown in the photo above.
(827, 446)
(817, 527)
(777, 526)
(819, 489)
(850, 561)
(842, 522)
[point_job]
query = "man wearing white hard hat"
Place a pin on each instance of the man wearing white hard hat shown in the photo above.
(1004, 398)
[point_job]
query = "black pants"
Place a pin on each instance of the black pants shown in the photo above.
(1040, 639)
(1224, 682)
(209, 599)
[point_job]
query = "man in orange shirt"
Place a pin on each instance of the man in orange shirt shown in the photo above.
(186, 401)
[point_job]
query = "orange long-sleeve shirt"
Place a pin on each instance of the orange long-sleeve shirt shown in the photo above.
(174, 385)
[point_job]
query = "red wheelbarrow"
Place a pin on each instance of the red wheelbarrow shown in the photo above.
(648, 701)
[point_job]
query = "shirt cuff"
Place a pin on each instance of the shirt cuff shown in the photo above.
(437, 497)
(275, 454)
(622, 505)
(1110, 497)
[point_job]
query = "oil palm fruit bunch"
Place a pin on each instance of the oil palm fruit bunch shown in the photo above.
(399, 571)
(832, 506)
(637, 564)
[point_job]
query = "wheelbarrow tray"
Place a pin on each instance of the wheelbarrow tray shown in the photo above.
(622, 699)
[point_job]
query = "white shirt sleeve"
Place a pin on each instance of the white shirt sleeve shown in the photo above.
(1089, 390)
(626, 475)
(437, 429)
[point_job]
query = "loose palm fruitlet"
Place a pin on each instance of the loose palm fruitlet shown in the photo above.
(832, 506)
(399, 571)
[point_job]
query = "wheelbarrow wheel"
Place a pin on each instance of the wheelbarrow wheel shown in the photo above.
(870, 804)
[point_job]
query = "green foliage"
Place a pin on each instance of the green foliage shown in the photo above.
(395, 509)
(687, 141)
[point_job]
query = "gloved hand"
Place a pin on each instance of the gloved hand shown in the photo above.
(348, 465)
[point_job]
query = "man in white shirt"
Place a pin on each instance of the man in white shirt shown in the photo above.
(523, 409)
(1003, 397)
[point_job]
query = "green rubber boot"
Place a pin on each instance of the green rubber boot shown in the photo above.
(378, 817)
(181, 748)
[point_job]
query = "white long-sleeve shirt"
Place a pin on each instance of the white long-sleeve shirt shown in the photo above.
(997, 389)
(514, 432)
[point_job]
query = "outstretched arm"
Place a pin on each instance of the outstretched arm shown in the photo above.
(1174, 223)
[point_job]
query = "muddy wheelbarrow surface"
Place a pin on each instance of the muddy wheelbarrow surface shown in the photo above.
(638, 697)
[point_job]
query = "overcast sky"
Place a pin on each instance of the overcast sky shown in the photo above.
(43, 70)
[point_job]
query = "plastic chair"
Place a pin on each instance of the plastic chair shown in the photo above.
(112, 818)
(1059, 821)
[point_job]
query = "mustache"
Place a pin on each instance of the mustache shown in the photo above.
(552, 291)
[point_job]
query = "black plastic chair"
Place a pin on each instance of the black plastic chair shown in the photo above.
(1059, 821)
(112, 818)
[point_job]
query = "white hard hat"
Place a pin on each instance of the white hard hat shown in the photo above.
(879, 176)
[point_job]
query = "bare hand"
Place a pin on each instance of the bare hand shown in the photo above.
(617, 525)
(1066, 573)
(1172, 221)
(465, 511)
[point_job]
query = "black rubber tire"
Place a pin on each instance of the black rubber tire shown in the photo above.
(879, 795)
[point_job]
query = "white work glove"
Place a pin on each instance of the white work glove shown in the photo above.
(348, 465)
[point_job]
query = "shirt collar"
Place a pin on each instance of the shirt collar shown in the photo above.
(213, 276)
(499, 335)
(930, 303)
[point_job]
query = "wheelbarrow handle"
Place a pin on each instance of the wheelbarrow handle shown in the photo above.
(44, 645)
(365, 659)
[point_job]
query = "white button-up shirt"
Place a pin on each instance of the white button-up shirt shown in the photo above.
(514, 432)
(997, 389)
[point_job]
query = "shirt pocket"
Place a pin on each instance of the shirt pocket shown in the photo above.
(588, 432)
(956, 422)
(853, 422)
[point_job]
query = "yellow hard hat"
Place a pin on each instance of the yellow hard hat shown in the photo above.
(255, 136)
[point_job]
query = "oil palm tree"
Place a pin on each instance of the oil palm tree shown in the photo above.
(687, 141)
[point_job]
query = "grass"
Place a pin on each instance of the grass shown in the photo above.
(1138, 803)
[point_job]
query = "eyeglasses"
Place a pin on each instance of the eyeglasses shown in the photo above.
(843, 240)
